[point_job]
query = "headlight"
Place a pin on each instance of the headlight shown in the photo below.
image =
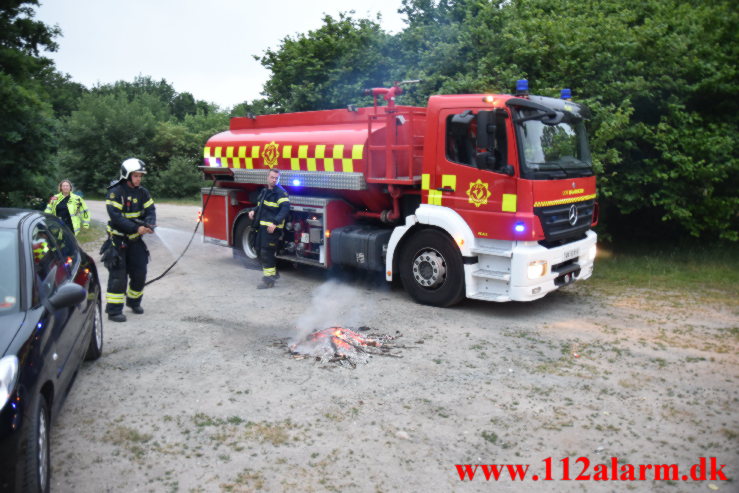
(537, 269)
(8, 377)
(592, 252)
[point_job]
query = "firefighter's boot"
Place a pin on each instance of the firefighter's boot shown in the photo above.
(267, 282)
(116, 317)
(136, 309)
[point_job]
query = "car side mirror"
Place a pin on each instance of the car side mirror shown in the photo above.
(67, 295)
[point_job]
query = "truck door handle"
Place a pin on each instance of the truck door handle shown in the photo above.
(445, 189)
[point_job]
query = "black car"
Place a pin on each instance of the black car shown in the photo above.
(50, 320)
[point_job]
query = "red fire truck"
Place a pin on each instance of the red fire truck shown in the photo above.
(484, 196)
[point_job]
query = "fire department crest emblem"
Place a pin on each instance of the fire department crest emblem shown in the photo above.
(271, 153)
(478, 193)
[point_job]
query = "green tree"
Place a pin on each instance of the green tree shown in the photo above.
(183, 104)
(63, 93)
(105, 130)
(27, 126)
(181, 178)
(145, 119)
(178, 147)
(256, 107)
(659, 75)
(327, 68)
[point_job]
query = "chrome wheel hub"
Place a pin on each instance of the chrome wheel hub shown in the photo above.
(429, 269)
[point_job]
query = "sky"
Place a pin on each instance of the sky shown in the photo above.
(204, 47)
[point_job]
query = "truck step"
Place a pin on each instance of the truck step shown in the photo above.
(492, 274)
(489, 297)
(497, 252)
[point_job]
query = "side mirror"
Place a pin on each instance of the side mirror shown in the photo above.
(67, 295)
(485, 160)
(553, 118)
(485, 130)
(460, 124)
(506, 170)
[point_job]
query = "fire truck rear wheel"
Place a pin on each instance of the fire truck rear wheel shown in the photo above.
(244, 238)
(432, 270)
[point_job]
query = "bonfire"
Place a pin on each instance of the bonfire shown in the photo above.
(342, 344)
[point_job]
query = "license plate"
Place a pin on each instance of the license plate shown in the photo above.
(572, 253)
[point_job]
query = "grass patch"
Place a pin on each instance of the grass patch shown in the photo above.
(194, 200)
(274, 433)
(96, 231)
(703, 270)
(180, 201)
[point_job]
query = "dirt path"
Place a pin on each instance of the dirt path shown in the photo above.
(200, 393)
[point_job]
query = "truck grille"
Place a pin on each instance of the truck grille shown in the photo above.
(556, 222)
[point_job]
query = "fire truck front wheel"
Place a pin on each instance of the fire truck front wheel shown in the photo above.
(245, 238)
(432, 270)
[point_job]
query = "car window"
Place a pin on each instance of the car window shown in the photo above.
(50, 270)
(9, 266)
(66, 242)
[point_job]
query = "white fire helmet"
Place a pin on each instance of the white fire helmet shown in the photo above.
(132, 165)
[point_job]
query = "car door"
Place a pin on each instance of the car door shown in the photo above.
(51, 272)
(72, 259)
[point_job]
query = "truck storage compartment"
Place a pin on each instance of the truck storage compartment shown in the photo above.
(360, 246)
(219, 213)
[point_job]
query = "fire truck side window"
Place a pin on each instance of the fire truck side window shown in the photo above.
(461, 138)
(501, 142)
(461, 135)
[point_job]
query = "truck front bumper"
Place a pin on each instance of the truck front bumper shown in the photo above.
(534, 270)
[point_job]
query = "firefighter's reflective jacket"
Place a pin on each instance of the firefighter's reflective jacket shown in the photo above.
(124, 204)
(77, 210)
(272, 207)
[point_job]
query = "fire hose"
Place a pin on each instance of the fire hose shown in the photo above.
(200, 220)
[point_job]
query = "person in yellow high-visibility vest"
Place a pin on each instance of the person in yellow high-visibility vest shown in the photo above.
(69, 207)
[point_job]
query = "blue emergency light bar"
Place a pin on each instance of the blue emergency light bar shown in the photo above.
(522, 86)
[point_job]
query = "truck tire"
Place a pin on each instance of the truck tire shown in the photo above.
(244, 238)
(432, 270)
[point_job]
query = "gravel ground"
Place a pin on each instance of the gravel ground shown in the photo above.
(200, 394)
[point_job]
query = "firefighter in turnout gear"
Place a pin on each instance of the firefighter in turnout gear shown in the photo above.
(132, 215)
(269, 215)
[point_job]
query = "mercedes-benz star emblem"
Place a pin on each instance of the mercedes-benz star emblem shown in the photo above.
(573, 214)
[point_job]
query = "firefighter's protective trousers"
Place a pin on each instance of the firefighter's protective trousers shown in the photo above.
(127, 277)
(268, 245)
(272, 208)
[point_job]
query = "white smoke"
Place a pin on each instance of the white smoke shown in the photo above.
(333, 304)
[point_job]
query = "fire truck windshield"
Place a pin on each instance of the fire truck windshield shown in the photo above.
(553, 151)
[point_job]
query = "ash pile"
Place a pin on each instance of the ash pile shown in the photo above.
(345, 346)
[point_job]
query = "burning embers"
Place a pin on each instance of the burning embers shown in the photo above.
(341, 344)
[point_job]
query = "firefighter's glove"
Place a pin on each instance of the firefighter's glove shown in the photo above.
(110, 256)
